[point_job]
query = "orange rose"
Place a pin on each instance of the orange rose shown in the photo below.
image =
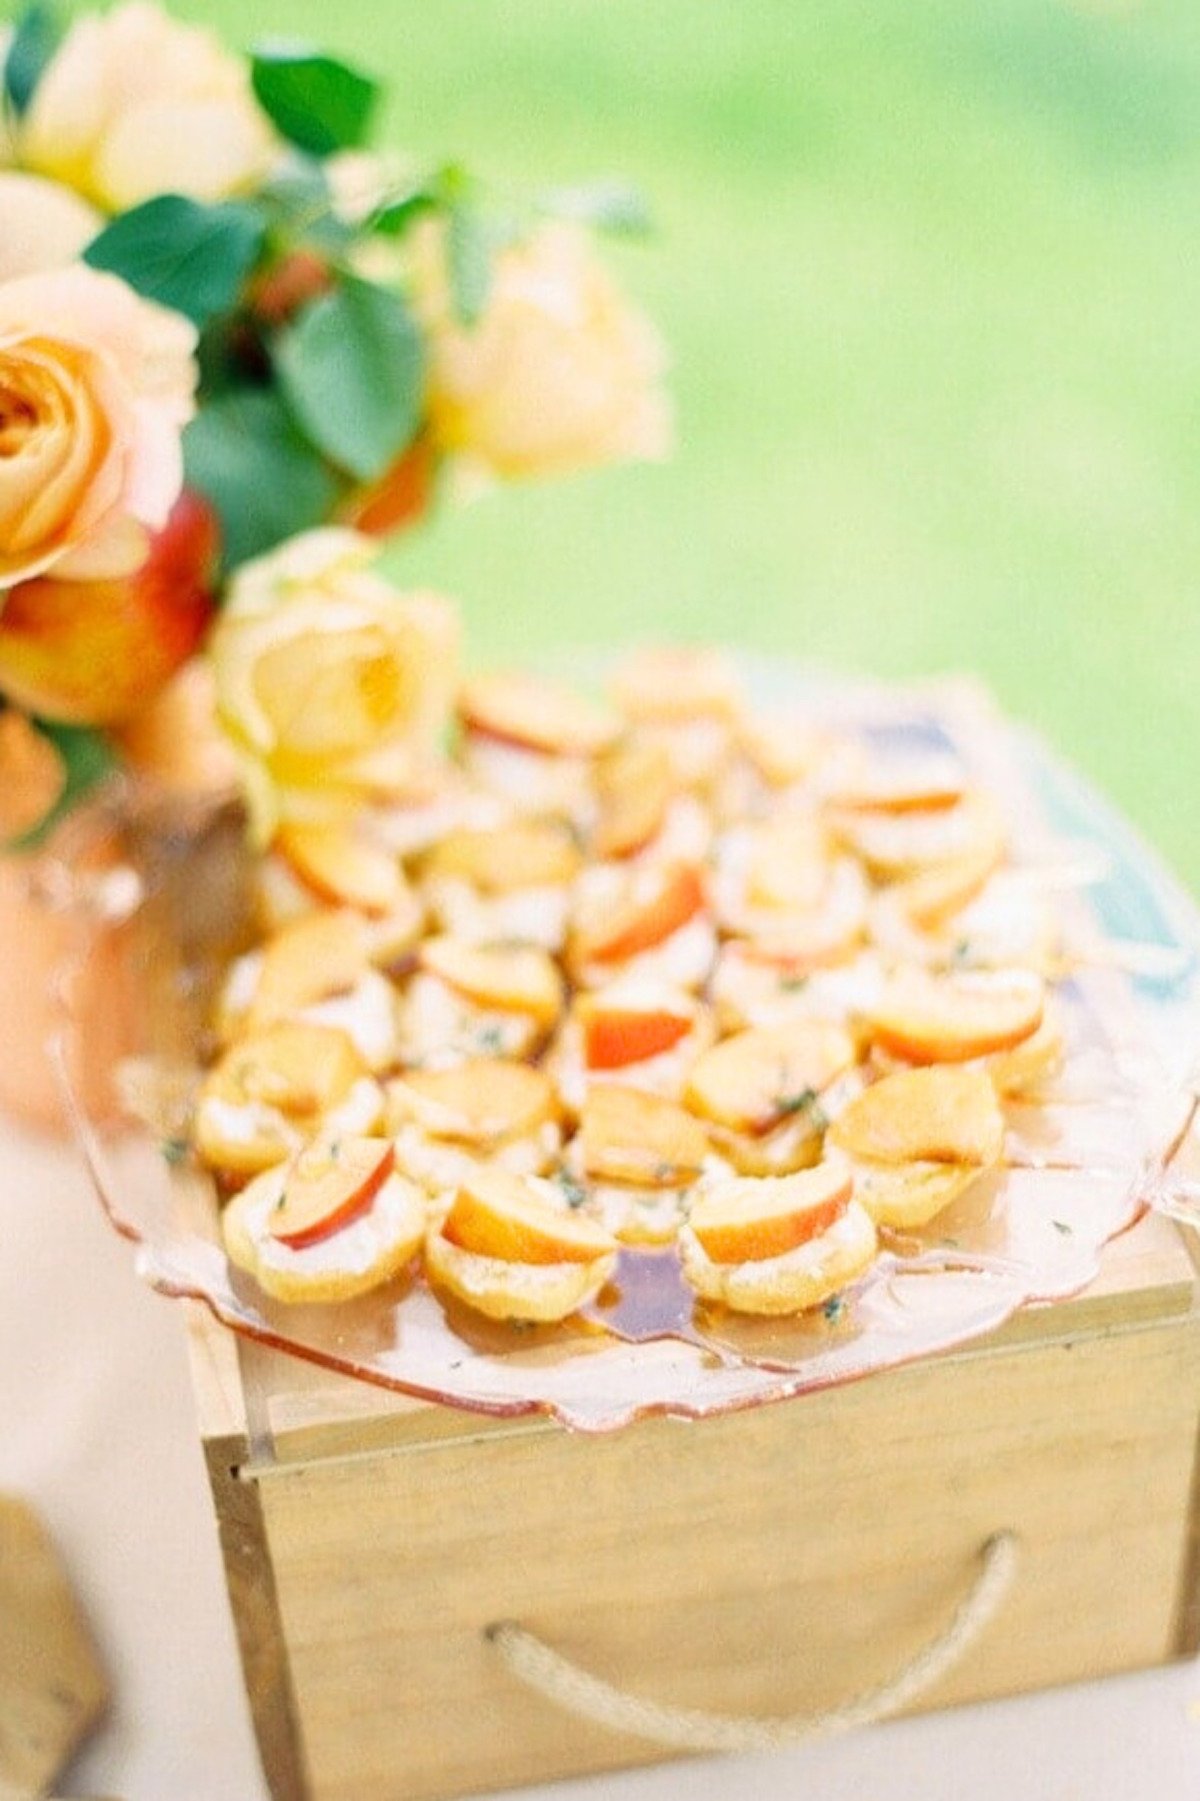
(133, 104)
(559, 373)
(96, 385)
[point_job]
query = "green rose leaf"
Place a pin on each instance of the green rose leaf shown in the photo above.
(352, 372)
(605, 205)
(299, 205)
(243, 451)
(317, 103)
(469, 255)
(181, 253)
(35, 39)
(394, 216)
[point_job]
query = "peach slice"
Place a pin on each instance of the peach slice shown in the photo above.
(829, 932)
(933, 896)
(501, 1216)
(302, 1069)
(938, 1115)
(781, 749)
(481, 1102)
(652, 911)
(746, 1220)
(757, 1078)
(343, 869)
(309, 961)
(800, 1279)
(615, 1035)
(676, 682)
(634, 788)
(268, 1088)
(627, 1135)
(330, 1185)
(537, 714)
(954, 1017)
(895, 845)
(514, 978)
(388, 1233)
(789, 865)
(906, 784)
(529, 854)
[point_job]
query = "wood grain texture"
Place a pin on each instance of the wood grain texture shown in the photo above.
(250, 1574)
(764, 1562)
(771, 1560)
(53, 1689)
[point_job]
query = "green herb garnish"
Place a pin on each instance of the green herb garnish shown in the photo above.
(574, 1193)
(806, 1101)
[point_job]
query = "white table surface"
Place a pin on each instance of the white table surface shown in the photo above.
(98, 1433)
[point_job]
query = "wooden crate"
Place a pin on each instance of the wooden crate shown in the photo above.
(770, 1560)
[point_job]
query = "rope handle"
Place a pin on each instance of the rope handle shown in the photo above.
(542, 1668)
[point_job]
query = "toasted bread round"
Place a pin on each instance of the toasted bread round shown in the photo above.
(799, 1279)
(538, 1292)
(373, 1248)
(274, 1089)
(908, 1195)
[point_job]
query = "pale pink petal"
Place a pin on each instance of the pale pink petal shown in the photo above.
(154, 467)
(119, 548)
(43, 225)
(206, 148)
(151, 345)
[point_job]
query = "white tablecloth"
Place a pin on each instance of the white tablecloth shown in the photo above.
(98, 1433)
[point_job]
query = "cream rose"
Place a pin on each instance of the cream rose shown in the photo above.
(332, 685)
(559, 373)
(42, 224)
(133, 104)
(96, 385)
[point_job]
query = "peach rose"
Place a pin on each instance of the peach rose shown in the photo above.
(333, 686)
(96, 385)
(42, 224)
(133, 104)
(558, 374)
(32, 775)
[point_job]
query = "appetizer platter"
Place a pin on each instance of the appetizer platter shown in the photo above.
(686, 1039)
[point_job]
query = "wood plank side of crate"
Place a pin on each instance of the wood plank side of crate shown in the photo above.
(766, 1561)
(394, 1534)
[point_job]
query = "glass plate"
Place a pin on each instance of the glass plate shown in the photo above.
(1078, 1170)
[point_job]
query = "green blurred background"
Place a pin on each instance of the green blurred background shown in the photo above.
(930, 275)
